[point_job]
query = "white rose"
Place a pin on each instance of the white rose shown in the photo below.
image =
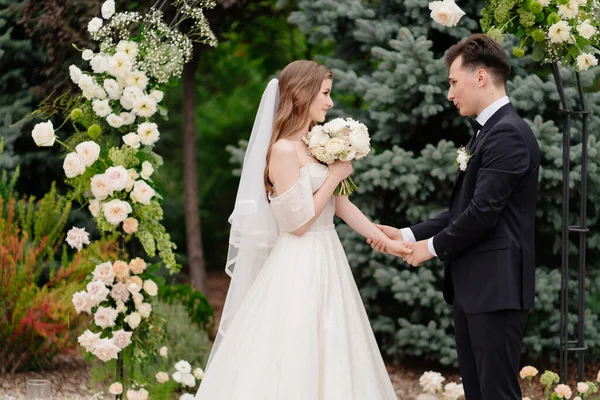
(132, 140)
(73, 165)
(144, 107)
(148, 133)
(446, 12)
(77, 237)
(43, 134)
(86, 82)
(114, 120)
(88, 151)
(121, 338)
(117, 177)
(101, 108)
(360, 142)
(335, 125)
(156, 95)
(99, 64)
(586, 30)
(176, 376)
(188, 380)
(138, 298)
(94, 208)
(186, 396)
(100, 187)
(119, 292)
(334, 146)
(97, 292)
(199, 373)
(116, 211)
(120, 64)
(183, 366)
(162, 377)
(568, 11)
(582, 387)
(88, 340)
(75, 74)
(130, 94)
(94, 25)
(163, 352)
(145, 309)
(113, 88)
(141, 394)
(431, 382)
(133, 319)
(559, 32)
(130, 225)
(318, 139)
(147, 170)
(128, 47)
(127, 118)
(137, 79)
(87, 54)
(452, 391)
(108, 9)
(585, 61)
(104, 273)
(116, 388)
(105, 317)
(121, 307)
(82, 303)
(142, 192)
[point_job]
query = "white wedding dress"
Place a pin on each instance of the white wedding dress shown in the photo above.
(302, 332)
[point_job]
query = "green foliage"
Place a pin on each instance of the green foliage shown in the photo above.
(194, 302)
(388, 73)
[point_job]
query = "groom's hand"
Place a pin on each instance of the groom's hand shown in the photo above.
(420, 253)
(390, 231)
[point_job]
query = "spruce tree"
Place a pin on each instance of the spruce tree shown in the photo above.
(387, 58)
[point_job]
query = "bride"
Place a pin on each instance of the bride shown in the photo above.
(294, 326)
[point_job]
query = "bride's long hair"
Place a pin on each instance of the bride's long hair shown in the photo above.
(299, 83)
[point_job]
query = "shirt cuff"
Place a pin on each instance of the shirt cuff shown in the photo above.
(408, 235)
(430, 247)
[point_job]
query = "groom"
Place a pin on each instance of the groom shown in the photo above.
(486, 238)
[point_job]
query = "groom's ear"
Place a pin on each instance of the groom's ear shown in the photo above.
(482, 77)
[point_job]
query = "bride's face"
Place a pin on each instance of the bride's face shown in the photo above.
(321, 103)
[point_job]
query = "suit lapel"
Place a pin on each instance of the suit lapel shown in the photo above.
(498, 115)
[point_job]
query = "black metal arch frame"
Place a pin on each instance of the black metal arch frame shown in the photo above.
(576, 345)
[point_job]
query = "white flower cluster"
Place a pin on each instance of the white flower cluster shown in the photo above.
(339, 139)
(113, 291)
(431, 383)
(575, 25)
(183, 375)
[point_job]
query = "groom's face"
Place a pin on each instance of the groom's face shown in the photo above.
(464, 88)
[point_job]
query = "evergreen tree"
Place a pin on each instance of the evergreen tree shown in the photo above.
(387, 58)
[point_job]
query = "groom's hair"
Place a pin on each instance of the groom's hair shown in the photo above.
(480, 51)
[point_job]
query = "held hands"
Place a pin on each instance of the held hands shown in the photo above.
(413, 253)
(340, 170)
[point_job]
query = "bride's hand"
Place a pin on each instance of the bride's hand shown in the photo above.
(340, 170)
(398, 248)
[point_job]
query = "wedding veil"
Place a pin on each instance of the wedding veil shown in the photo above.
(254, 228)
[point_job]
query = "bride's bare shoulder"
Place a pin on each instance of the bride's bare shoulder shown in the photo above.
(284, 152)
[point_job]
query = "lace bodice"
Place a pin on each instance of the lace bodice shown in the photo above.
(295, 207)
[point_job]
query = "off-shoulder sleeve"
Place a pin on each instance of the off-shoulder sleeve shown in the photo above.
(295, 207)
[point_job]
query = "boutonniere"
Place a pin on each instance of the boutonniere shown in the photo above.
(462, 159)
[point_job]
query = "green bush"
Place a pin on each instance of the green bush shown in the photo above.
(195, 303)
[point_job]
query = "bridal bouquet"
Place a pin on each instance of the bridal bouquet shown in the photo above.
(339, 139)
(553, 30)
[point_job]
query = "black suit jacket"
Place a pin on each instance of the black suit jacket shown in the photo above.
(486, 238)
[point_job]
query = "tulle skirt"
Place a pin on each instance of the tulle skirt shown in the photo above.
(302, 332)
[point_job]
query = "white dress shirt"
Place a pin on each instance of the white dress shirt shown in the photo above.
(482, 118)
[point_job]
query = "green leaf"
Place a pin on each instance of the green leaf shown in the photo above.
(538, 54)
(159, 280)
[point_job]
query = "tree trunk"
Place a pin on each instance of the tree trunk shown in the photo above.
(195, 252)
